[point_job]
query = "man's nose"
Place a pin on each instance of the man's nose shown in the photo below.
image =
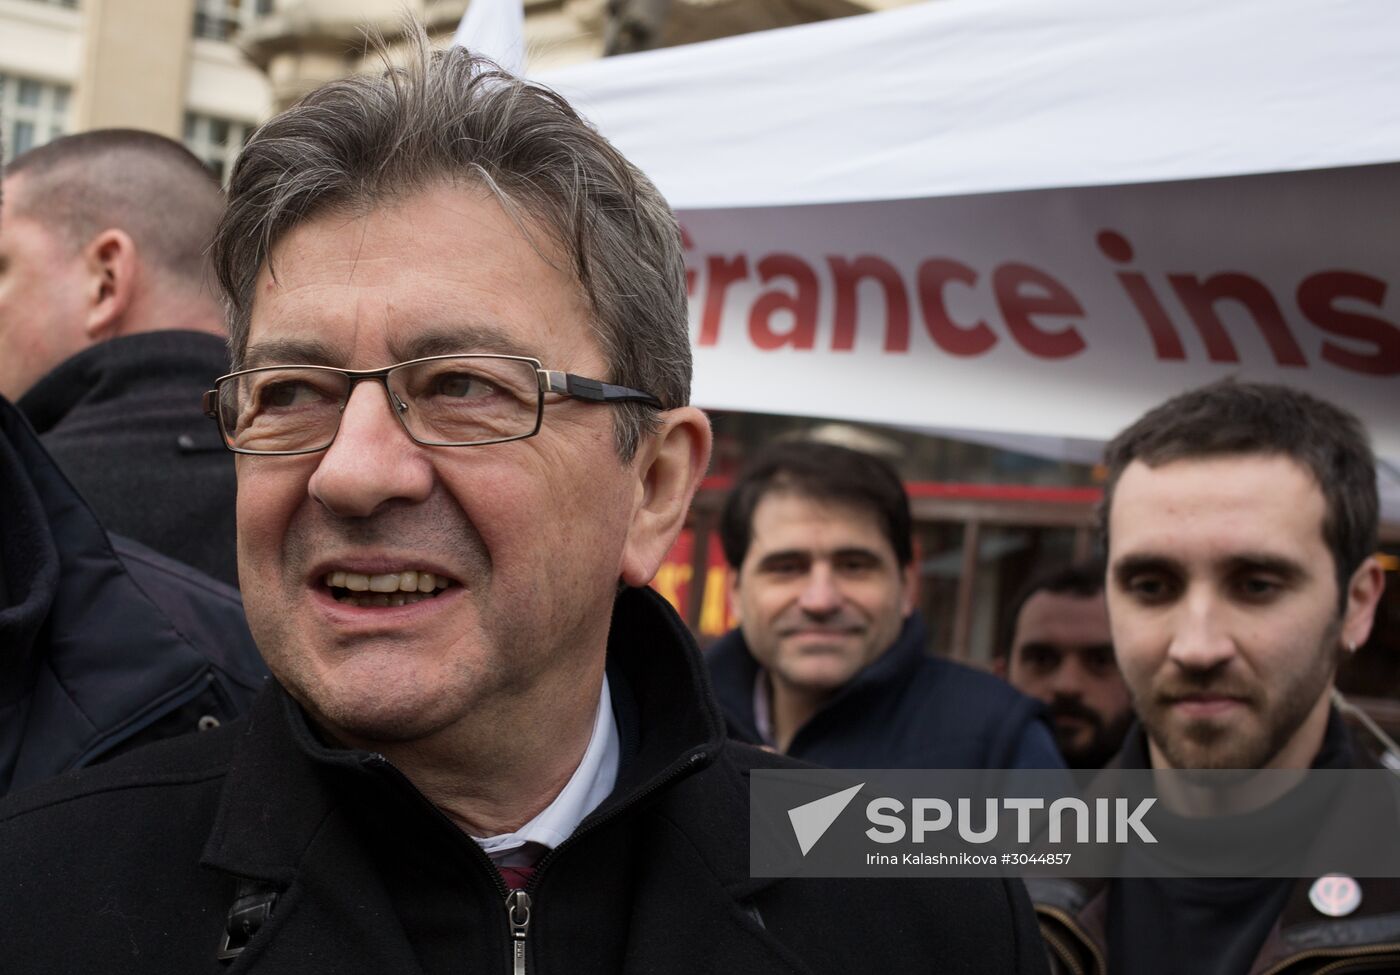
(1201, 637)
(1067, 680)
(821, 595)
(372, 460)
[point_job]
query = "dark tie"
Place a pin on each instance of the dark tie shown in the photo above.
(516, 877)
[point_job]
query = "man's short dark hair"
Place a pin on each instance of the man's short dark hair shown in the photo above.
(822, 472)
(151, 187)
(1263, 419)
(1080, 579)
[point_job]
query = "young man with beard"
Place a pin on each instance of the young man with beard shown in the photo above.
(1241, 522)
(1059, 650)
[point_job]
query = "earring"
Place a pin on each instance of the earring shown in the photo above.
(1351, 646)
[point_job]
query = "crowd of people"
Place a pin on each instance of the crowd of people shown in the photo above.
(441, 339)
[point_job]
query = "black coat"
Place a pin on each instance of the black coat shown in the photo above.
(123, 420)
(369, 877)
(104, 644)
(1074, 913)
(904, 710)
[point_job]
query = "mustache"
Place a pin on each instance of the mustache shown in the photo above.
(1196, 683)
(1072, 707)
(836, 626)
(431, 527)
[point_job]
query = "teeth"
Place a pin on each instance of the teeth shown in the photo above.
(410, 582)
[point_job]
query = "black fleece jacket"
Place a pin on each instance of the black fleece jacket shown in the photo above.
(368, 877)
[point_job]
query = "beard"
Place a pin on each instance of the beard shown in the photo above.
(1243, 741)
(1105, 737)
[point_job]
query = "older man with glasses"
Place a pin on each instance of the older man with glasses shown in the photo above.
(459, 409)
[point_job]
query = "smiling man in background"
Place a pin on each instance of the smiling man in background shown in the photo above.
(828, 662)
(459, 404)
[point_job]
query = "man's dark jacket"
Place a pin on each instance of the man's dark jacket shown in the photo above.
(905, 710)
(370, 877)
(104, 644)
(123, 420)
(1074, 913)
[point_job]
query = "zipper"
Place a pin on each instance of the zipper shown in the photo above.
(1063, 952)
(518, 917)
(1074, 928)
(1344, 956)
(522, 904)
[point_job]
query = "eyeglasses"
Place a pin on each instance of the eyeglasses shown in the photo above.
(441, 400)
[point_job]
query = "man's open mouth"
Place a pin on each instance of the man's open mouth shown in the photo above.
(385, 589)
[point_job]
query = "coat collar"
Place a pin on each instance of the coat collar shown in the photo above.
(120, 370)
(74, 626)
(283, 782)
(734, 670)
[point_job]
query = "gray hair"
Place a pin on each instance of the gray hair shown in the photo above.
(452, 117)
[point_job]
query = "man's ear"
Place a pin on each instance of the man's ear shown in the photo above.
(1363, 595)
(999, 666)
(112, 268)
(668, 467)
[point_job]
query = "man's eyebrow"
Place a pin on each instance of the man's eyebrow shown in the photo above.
(1131, 565)
(1277, 565)
(1038, 646)
(457, 340)
(856, 551)
(290, 352)
(785, 555)
(462, 339)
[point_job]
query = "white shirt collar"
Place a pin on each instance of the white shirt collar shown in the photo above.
(762, 709)
(591, 783)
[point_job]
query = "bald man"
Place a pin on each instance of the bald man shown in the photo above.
(110, 333)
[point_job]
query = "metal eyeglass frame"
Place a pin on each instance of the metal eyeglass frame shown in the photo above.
(550, 381)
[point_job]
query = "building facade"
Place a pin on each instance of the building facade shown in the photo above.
(168, 66)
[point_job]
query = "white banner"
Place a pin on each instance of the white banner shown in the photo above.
(878, 227)
(1061, 313)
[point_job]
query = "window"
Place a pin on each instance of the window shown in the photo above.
(31, 113)
(219, 20)
(216, 141)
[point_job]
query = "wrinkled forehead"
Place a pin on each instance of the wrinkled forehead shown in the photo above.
(440, 272)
